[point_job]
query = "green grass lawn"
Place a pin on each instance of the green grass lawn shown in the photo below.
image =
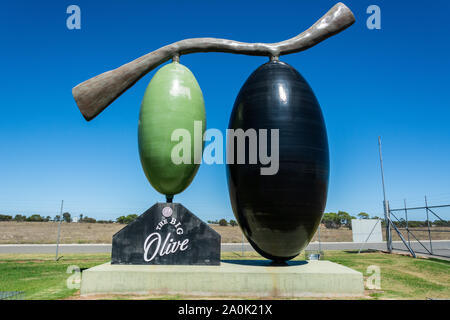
(40, 276)
(402, 277)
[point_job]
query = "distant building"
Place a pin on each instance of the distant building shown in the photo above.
(75, 219)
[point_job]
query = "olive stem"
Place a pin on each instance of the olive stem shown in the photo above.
(274, 58)
(94, 95)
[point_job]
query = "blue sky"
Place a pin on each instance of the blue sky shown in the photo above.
(391, 82)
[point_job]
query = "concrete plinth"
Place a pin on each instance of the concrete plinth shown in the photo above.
(250, 278)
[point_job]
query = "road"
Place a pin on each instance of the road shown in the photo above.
(440, 247)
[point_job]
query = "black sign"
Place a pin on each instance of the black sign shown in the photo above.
(167, 233)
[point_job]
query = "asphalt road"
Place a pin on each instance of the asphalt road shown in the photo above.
(440, 247)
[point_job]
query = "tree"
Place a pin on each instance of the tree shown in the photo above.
(233, 223)
(441, 223)
(57, 218)
(126, 220)
(67, 217)
(331, 220)
(223, 222)
(35, 218)
(345, 218)
(130, 218)
(81, 217)
(47, 219)
(363, 215)
(5, 217)
(400, 223)
(20, 218)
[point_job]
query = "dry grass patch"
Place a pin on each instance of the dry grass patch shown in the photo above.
(46, 232)
(12, 232)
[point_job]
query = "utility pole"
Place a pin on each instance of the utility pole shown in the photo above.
(385, 203)
(320, 243)
(59, 229)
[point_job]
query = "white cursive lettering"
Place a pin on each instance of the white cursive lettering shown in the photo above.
(168, 247)
(155, 236)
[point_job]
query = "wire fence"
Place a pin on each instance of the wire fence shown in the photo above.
(422, 228)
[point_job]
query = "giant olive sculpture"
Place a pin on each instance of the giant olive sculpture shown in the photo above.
(280, 213)
(173, 100)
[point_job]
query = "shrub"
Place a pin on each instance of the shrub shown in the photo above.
(105, 221)
(223, 223)
(88, 220)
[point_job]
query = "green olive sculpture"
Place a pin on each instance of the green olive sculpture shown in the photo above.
(171, 108)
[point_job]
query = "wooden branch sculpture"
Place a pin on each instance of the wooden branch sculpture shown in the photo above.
(95, 94)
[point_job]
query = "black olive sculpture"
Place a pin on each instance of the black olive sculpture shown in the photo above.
(279, 213)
